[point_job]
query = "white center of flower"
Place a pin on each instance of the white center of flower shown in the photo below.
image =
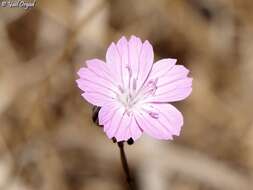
(131, 96)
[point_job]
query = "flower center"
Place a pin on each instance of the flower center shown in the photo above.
(131, 96)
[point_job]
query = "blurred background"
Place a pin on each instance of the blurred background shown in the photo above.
(47, 138)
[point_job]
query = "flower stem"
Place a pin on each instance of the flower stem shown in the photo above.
(125, 165)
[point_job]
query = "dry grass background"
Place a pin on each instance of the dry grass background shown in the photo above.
(47, 138)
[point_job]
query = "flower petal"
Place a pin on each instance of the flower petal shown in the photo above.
(106, 112)
(130, 61)
(169, 116)
(97, 98)
(96, 86)
(135, 47)
(125, 69)
(113, 59)
(152, 126)
(95, 81)
(145, 63)
(162, 67)
(135, 130)
(114, 123)
(128, 129)
(101, 68)
(174, 85)
(123, 133)
(123, 127)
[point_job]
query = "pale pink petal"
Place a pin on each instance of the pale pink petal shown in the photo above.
(95, 86)
(169, 116)
(101, 68)
(98, 72)
(107, 111)
(135, 46)
(115, 122)
(96, 83)
(152, 126)
(162, 67)
(135, 130)
(128, 129)
(113, 59)
(122, 46)
(172, 86)
(97, 98)
(166, 88)
(145, 63)
(122, 133)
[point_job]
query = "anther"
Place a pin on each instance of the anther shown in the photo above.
(121, 89)
(154, 115)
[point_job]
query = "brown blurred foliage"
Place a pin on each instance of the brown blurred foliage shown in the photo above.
(47, 138)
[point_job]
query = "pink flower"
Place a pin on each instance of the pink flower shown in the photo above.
(133, 93)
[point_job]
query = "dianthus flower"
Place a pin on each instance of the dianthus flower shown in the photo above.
(134, 93)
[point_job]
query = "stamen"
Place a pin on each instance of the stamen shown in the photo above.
(153, 87)
(154, 115)
(121, 89)
(134, 84)
(130, 75)
(129, 98)
(152, 83)
(129, 70)
(129, 113)
(152, 91)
